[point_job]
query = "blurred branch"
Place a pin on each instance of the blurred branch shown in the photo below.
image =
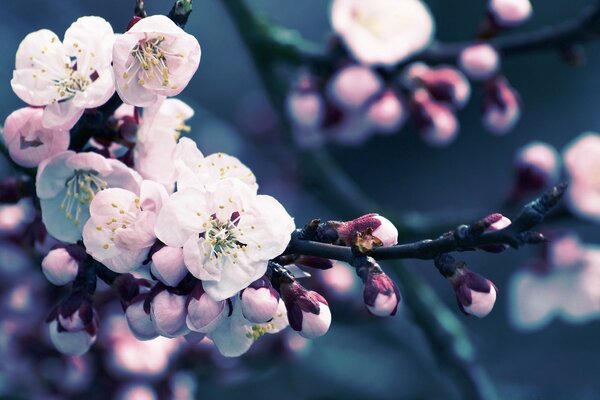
(463, 238)
(443, 330)
(289, 46)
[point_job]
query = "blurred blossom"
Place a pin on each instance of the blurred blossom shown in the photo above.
(501, 106)
(67, 182)
(127, 356)
(14, 218)
(339, 282)
(382, 32)
(66, 77)
(352, 86)
(387, 113)
(154, 58)
(444, 83)
(437, 124)
(537, 167)
(28, 141)
(582, 163)
(566, 287)
(479, 61)
(510, 13)
(136, 391)
(305, 105)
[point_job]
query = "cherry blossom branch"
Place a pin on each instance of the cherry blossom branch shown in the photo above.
(463, 238)
(289, 46)
(441, 328)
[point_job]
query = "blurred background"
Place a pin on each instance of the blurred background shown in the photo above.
(362, 356)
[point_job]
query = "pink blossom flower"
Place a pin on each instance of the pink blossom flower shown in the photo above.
(66, 77)
(479, 61)
(28, 141)
(437, 124)
(154, 58)
(501, 106)
(382, 32)
(510, 13)
(352, 86)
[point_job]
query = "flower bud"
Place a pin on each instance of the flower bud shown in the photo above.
(259, 301)
(59, 266)
(308, 312)
(436, 122)
(168, 313)
(387, 113)
(305, 105)
(382, 228)
(446, 84)
(479, 61)
(501, 106)
(510, 13)
(73, 325)
(140, 322)
(475, 294)
(167, 265)
(537, 167)
(204, 313)
(495, 222)
(352, 86)
(381, 295)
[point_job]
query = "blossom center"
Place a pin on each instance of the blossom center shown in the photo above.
(150, 62)
(73, 83)
(223, 237)
(81, 189)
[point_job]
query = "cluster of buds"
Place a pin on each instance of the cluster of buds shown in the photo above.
(475, 294)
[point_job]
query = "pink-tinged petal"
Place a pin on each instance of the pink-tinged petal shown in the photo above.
(169, 313)
(28, 141)
(59, 267)
(152, 195)
(353, 86)
(62, 115)
(181, 217)
(387, 113)
(510, 13)
(205, 314)
(33, 88)
(234, 277)
(139, 322)
(89, 161)
(479, 61)
(98, 92)
(582, 162)
(122, 176)
(52, 174)
(259, 305)
(199, 260)
(90, 40)
(481, 303)
(107, 203)
(168, 266)
(138, 235)
(584, 201)
(156, 23)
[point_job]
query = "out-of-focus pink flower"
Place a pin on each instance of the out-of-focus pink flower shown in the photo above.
(437, 124)
(154, 58)
(479, 61)
(352, 86)
(14, 218)
(510, 13)
(582, 163)
(305, 105)
(537, 166)
(28, 141)
(501, 106)
(445, 84)
(382, 32)
(66, 77)
(387, 113)
(136, 391)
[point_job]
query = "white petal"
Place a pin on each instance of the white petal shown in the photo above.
(90, 39)
(52, 175)
(178, 219)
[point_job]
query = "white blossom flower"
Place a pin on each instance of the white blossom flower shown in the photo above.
(67, 182)
(582, 162)
(383, 31)
(228, 233)
(154, 58)
(235, 335)
(157, 135)
(66, 77)
(28, 141)
(120, 230)
(195, 170)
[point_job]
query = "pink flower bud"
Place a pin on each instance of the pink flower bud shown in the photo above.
(510, 13)
(537, 167)
(28, 141)
(479, 61)
(168, 313)
(140, 322)
(381, 295)
(305, 105)
(446, 84)
(387, 113)
(501, 106)
(308, 312)
(204, 313)
(259, 301)
(497, 222)
(382, 228)
(436, 122)
(351, 87)
(475, 294)
(167, 265)
(60, 267)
